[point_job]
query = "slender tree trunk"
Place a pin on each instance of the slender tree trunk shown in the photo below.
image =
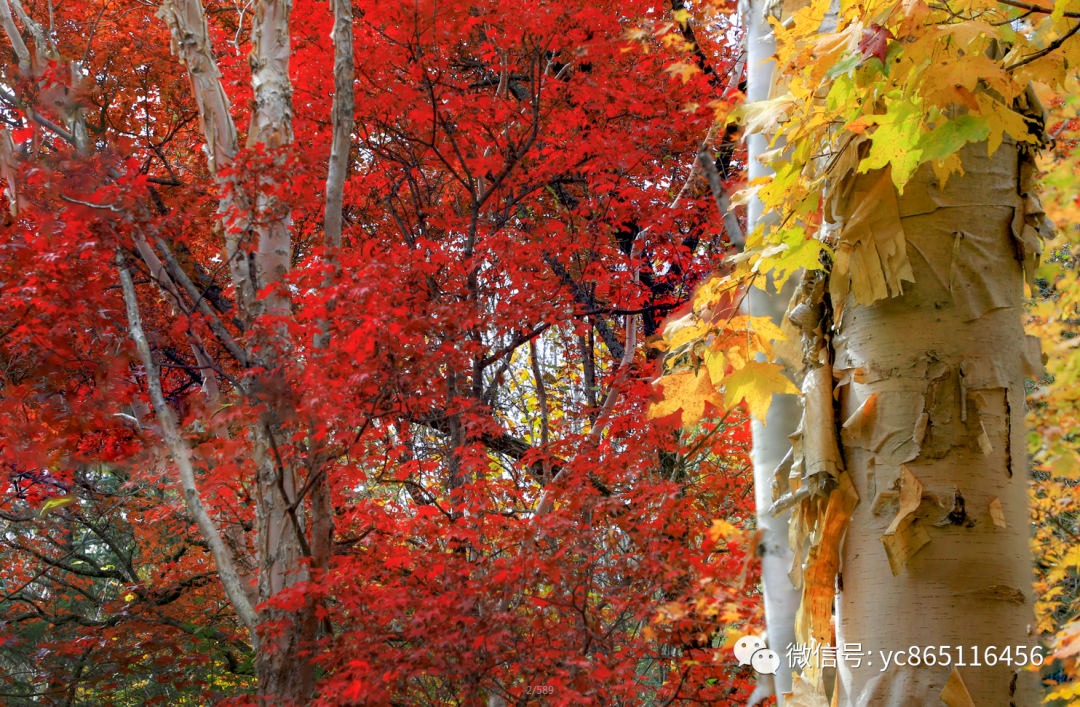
(284, 671)
(14, 36)
(343, 115)
(930, 387)
(181, 453)
(770, 441)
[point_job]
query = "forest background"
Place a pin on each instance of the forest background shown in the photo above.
(329, 345)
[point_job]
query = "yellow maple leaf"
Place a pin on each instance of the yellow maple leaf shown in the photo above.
(684, 334)
(731, 613)
(716, 362)
(1002, 120)
(965, 33)
(765, 332)
(682, 69)
(687, 392)
(1064, 692)
(732, 636)
(1071, 558)
(722, 529)
(755, 383)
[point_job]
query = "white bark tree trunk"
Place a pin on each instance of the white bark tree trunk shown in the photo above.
(281, 543)
(344, 116)
(770, 441)
(938, 376)
(14, 36)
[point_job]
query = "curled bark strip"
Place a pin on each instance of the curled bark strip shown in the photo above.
(814, 620)
(820, 489)
(955, 692)
(820, 451)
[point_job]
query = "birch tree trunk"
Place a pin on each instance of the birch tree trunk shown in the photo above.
(284, 673)
(930, 389)
(770, 441)
(344, 116)
(919, 467)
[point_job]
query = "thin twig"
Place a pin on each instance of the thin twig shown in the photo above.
(542, 402)
(1049, 48)
(291, 508)
(322, 468)
(93, 30)
(1035, 8)
(520, 339)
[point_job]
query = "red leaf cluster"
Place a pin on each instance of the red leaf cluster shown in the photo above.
(497, 527)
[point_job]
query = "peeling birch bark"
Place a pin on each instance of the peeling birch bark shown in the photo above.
(803, 694)
(930, 382)
(192, 45)
(284, 671)
(817, 484)
(44, 46)
(343, 116)
(271, 127)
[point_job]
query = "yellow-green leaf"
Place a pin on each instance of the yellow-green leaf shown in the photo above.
(53, 503)
(948, 137)
(755, 383)
(895, 142)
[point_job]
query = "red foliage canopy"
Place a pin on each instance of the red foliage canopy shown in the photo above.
(459, 377)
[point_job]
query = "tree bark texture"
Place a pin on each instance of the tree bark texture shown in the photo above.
(930, 395)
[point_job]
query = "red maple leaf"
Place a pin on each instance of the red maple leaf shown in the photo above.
(875, 42)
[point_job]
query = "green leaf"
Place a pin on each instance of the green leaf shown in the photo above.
(896, 142)
(803, 253)
(844, 66)
(948, 137)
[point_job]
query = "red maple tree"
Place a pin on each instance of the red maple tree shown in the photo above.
(325, 376)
